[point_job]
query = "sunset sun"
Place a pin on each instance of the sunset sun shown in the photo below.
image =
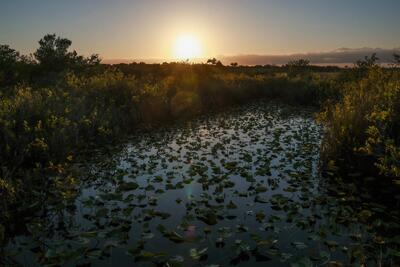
(187, 47)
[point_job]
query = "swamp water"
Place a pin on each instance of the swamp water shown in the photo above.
(240, 187)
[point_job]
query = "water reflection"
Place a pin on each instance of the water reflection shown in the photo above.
(236, 188)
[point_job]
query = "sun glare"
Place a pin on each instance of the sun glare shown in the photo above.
(187, 47)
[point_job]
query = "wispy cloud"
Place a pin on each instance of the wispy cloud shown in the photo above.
(339, 56)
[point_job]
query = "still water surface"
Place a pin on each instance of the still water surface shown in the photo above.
(240, 187)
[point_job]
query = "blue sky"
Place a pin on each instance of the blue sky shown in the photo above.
(148, 28)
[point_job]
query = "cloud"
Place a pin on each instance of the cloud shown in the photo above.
(341, 56)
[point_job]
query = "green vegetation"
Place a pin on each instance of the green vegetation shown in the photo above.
(363, 128)
(56, 105)
(197, 192)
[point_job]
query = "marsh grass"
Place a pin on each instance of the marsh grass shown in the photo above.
(363, 127)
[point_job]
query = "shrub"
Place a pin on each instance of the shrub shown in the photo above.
(366, 122)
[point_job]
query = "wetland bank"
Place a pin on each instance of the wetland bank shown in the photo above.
(240, 187)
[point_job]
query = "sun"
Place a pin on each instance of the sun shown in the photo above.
(187, 47)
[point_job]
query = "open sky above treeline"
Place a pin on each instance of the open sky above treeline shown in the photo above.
(248, 32)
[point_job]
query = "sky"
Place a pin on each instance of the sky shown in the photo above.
(146, 29)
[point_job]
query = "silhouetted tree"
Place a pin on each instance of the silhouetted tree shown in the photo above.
(8, 60)
(53, 52)
(13, 66)
(362, 66)
(367, 62)
(215, 62)
(300, 63)
(53, 55)
(234, 64)
(396, 59)
(94, 59)
(212, 61)
(297, 67)
(8, 56)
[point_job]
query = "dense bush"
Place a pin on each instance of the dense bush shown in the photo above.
(364, 127)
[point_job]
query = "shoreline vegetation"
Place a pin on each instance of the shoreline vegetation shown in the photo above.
(56, 103)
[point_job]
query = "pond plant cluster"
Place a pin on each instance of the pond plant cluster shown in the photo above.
(239, 187)
(159, 165)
